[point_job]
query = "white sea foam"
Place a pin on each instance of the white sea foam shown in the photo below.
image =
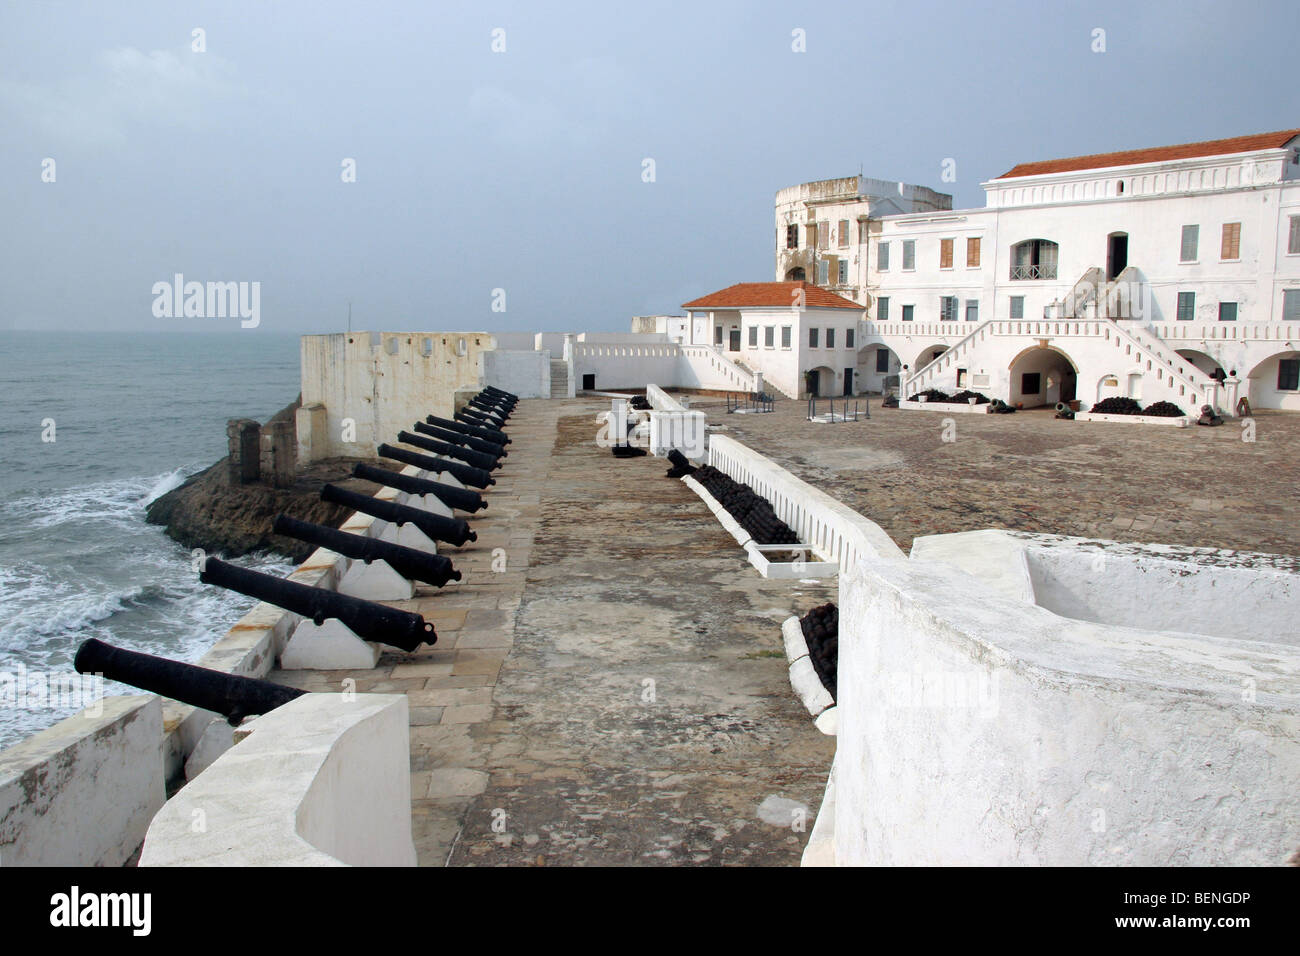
(164, 484)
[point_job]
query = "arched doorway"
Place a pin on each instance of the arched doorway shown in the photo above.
(927, 356)
(1275, 382)
(1041, 376)
(822, 382)
(1203, 362)
(878, 369)
(796, 274)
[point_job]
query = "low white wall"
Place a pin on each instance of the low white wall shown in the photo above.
(322, 781)
(978, 730)
(82, 793)
(526, 374)
(835, 531)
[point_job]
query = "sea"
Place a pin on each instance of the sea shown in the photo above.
(93, 427)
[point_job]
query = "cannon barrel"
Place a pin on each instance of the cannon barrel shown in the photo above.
(498, 399)
(475, 458)
(415, 565)
(465, 474)
(458, 438)
(461, 498)
(230, 695)
(452, 530)
(490, 408)
(500, 391)
(473, 417)
(468, 428)
(367, 619)
(474, 407)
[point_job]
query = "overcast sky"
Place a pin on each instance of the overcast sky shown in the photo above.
(522, 170)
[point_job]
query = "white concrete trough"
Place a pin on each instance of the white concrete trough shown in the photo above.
(801, 568)
(322, 781)
(1174, 422)
(817, 700)
(951, 408)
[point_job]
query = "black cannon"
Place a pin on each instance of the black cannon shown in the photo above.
(230, 695)
(502, 392)
(500, 400)
(367, 619)
(458, 438)
(465, 474)
(468, 428)
(451, 530)
(473, 417)
(475, 458)
(415, 565)
(461, 498)
(490, 408)
(476, 407)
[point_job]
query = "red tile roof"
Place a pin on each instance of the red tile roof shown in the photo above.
(758, 295)
(1213, 147)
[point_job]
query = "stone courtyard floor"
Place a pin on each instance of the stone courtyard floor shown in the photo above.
(1029, 471)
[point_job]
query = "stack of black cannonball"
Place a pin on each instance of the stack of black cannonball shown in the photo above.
(821, 629)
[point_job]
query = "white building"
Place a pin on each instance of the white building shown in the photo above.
(801, 338)
(821, 228)
(1139, 273)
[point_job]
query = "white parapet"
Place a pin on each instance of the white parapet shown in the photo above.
(82, 793)
(322, 781)
(1096, 704)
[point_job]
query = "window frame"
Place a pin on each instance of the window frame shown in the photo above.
(909, 245)
(830, 337)
(946, 250)
(769, 336)
(1235, 311)
(882, 308)
(1293, 363)
(842, 234)
(1190, 298)
(1017, 306)
(812, 337)
(909, 313)
(792, 236)
(1196, 243)
(753, 336)
(882, 256)
(787, 335)
(1236, 242)
(973, 244)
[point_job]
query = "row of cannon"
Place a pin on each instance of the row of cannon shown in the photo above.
(465, 448)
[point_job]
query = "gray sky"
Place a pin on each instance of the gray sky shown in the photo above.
(522, 170)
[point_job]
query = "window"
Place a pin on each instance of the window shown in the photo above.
(882, 257)
(1191, 236)
(810, 233)
(947, 308)
(823, 272)
(785, 336)
(908, 311)
(830, 338)
(882, 309)
(862, 232)
(717, 335)
(1288, 375)
(1034, 259)
(843, 235)
(848, 338)
(1293, 241)
(1031, 383)
(1186, 306)
(792, 237)
(1227, 312)
(823, 234)
(882, 360)
(1291, 305)
(1119, 188)
(1017, 307)
(1231, 245)
(844, 272)
(972, 310)
(753, 336)
(812, 338)
(973, 253)
(909, 255)
(769, 335)
(945, 253)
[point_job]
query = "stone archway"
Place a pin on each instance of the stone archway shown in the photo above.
(1267, 384)
(1042, 376)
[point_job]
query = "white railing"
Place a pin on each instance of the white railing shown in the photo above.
(834, 531)
(1227, 331)
(726, 374)
(930, 330)
(1194, 387)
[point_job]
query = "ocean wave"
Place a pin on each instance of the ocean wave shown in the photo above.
(120, 500)
(164, 484)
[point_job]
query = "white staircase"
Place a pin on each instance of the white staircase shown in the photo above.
(559, 378)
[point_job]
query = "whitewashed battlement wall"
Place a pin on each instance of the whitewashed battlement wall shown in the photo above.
(380, 382)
